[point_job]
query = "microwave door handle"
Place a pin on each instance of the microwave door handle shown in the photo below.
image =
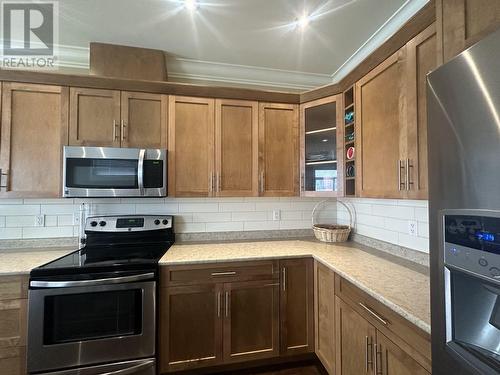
(76, 283)
(140, 171)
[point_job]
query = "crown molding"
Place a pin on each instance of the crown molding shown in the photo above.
(384, 32)
(182, 69)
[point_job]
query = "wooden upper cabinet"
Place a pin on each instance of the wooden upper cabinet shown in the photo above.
(380, 136)
(94, 117)
(143, 120)
(251, 320)
(278, 149)
(236, 148)
(297, 306)
(421, 59)
(191, 147)
(355, 340)
(190, 326)
(462, 23)
(324, 316)
(321, 147)
(392, 360)
(33, 131)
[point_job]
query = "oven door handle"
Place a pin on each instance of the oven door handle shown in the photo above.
(107, 281)
(140, 171)
(131, 370)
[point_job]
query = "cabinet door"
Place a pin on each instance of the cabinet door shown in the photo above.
(94, 118)
(421, 59)
(191, 126)
(143, 120)
(278, 149)
(380, 117)
(464, 22)
(251, 320)
(34, 129)
(297, 306)
(325, 316)
(236, 148)
(321, 148)
(392, 360)
(190, 326)
(355, 339)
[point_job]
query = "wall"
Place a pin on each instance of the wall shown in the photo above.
(387, 220)
(18, 216)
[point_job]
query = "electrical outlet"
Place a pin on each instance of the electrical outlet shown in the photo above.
(40, 221)
(276, 215)
(412, 228)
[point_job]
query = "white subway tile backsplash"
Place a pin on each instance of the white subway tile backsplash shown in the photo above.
(398, 212)
(18, 209)
(413, 242)
(230, 226)
(198, 207)
(20, 221)
(64, 220)
(47, 232)
(299, 224)
(237, 206)
(250, 216)
(57, 209)
(261, 225)
(423, 229)
(157, 208)
(51, 221)
(190, 227)
(211, 217)
(422, 214)
(273, 205)
(378, 233)
(2, 221)
(11, 233)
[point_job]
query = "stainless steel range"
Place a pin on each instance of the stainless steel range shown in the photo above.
(93, 311)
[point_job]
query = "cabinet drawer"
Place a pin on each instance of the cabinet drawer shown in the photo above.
(13, 287)
(409, 337)
(216, 273)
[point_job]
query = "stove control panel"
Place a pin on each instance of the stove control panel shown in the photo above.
(128, 223)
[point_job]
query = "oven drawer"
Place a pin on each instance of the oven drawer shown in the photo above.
(140, 367)
(221, 272)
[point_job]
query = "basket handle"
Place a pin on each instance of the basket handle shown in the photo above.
(321, 203)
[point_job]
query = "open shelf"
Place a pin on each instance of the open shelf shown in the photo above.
(349, 107)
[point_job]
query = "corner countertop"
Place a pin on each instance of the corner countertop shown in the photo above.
(22, 261)
(398, 284)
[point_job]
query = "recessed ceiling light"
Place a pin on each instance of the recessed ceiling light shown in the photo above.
(302, 21)
(324, 140)
(191, 4)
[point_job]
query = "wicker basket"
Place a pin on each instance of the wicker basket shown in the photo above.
(331, 232)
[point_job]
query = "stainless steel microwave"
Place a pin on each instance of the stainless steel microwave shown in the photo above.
(114, 172)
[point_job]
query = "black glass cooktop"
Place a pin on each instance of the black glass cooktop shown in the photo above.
(105, 259)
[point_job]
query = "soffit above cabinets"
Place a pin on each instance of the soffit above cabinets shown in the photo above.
(238, 42)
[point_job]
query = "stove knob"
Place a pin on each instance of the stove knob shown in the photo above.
(93, 223)
(495, 271)
(102, 223)
(157, 222)
(165, 222)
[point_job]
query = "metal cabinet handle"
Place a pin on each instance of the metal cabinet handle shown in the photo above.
(408, 180)
(217, 188)
(401, 184)
(123, 125)
(283, 271)
(6, 179)
(228, 273)
(374, 314)
(378, 362)
(261, 182)
(302, 188)
(134, 369)
(218, 304)
(211, 183)
(368, 353)
(227, 304)
(115, 128)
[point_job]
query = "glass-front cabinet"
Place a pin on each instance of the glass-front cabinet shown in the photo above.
(322, 147)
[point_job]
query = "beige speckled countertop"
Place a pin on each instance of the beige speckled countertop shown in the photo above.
(22, 261)
(398, 285)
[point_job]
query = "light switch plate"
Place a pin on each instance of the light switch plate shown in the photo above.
(412, 227)
(39, 220)
(276, 215)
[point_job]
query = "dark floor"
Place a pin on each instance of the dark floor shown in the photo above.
(296, 369)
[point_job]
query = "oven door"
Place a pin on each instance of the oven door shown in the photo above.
(113, 172)
(85, 325)
(473, 320)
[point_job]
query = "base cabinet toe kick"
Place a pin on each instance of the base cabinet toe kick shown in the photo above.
(249, 312)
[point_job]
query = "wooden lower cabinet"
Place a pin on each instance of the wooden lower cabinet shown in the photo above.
(324, 316)
(363, 349)
(297, 306)
(190, 326)
(251, 321)
(13, 324)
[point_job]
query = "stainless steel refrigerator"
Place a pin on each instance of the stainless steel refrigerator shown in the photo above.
(464, 210)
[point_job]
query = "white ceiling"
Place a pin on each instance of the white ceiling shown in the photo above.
(250, 39)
